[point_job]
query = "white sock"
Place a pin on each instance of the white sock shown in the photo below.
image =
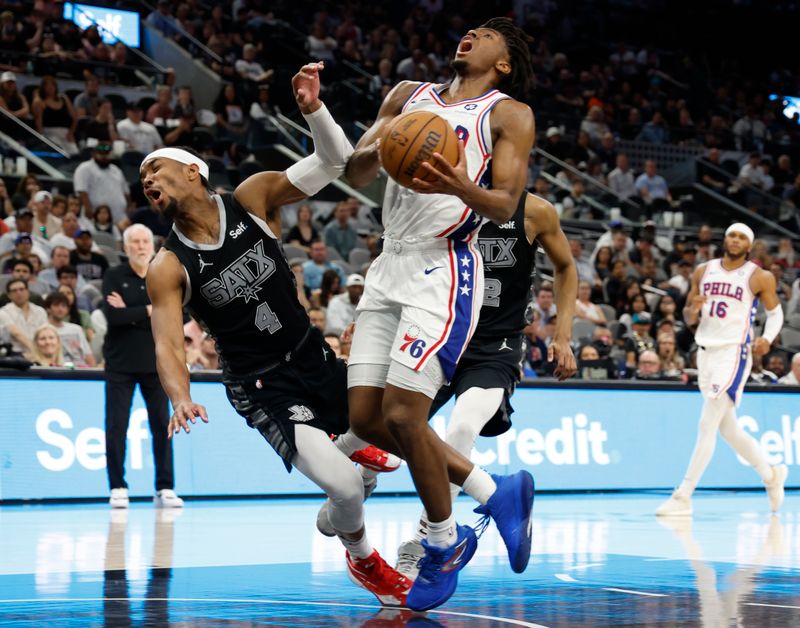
(422, 528)
(479, 485)
(358, 549)
(442, 533)
(348, 443)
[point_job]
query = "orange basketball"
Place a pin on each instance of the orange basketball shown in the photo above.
(411, 141)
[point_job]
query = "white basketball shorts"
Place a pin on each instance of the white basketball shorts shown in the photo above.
(724, 371)
(421, 300)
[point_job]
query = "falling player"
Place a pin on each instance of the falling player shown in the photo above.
(724, 296)
(423, 293)
(489, 370)
(224, 261)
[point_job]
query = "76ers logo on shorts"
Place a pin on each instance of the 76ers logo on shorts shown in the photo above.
(413, 343)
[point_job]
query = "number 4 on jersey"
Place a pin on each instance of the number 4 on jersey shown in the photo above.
(267, 319)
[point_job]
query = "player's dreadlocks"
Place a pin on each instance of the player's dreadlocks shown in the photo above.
(519, 82)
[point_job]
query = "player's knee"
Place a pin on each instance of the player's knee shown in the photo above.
(459, 432)
(348, 492)
(361, 424)
(364, 401)
(402, 421)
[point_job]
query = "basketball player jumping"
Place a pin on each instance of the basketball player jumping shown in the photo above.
(489, 370)
(724, 295)
(224, 260)
(423, 293)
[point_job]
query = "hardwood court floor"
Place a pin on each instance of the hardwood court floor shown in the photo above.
(599, 560)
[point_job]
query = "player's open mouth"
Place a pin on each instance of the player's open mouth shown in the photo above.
(465, 46)
(154, 196)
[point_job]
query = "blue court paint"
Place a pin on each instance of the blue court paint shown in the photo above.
(598, 560)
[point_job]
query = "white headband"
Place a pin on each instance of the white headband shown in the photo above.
(180, 155)
(740, 227)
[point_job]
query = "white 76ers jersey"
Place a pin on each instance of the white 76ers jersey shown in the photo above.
(727, 315)
(413, 217)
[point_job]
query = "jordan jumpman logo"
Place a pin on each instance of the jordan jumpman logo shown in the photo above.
(203, 263)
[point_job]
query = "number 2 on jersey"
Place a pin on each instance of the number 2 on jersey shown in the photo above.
(491, 292)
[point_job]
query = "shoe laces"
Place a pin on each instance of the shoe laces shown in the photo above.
(430, 565)
(391, 576)
(382, 572)
(482, 523)
(407, 560)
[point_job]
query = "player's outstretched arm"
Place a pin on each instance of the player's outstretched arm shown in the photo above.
(364, 163)
(764, 286)
(263, 194)
(542, 223)
(165, 279)
(514, 131)
(694, 300)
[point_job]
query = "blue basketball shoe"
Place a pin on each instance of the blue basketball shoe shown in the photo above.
(438, 570)
(510, 507)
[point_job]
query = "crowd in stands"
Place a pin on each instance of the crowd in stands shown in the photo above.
(585, 103)
(628, 321)
(628, 315)
(36, 38)
(55, 249)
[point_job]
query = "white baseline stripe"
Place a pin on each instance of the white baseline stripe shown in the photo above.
(513, 622)
(770, 605)
(584, 566)
(634, 592)
(565, 577)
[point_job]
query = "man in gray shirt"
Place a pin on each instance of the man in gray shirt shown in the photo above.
(99, 182)
(339, 234)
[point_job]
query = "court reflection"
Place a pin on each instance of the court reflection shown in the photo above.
(728, 601)
(116, 582)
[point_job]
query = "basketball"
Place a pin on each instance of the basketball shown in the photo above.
(411, 141)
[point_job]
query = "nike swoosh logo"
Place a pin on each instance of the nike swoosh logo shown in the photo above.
(455, 561)
(428, 271)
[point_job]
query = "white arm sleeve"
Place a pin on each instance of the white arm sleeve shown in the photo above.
(774, 323)
(311, 174)
(330, 142)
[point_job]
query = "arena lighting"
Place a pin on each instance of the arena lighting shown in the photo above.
(114, 25)
(791, 106)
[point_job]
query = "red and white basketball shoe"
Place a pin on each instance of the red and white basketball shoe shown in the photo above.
(376, 459)
(376, 576)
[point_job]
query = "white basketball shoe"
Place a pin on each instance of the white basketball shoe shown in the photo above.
(119, 498)
(166, 498)
(678, 505)
(775, 486)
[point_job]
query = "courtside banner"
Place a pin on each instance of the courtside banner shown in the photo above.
(52, 443)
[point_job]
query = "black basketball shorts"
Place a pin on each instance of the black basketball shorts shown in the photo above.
(308, 386)
(487, 363)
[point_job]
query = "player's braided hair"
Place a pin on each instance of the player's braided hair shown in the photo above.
(519, 82)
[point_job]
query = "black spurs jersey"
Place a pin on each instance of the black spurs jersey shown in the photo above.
(508, 263)
(242, 289)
